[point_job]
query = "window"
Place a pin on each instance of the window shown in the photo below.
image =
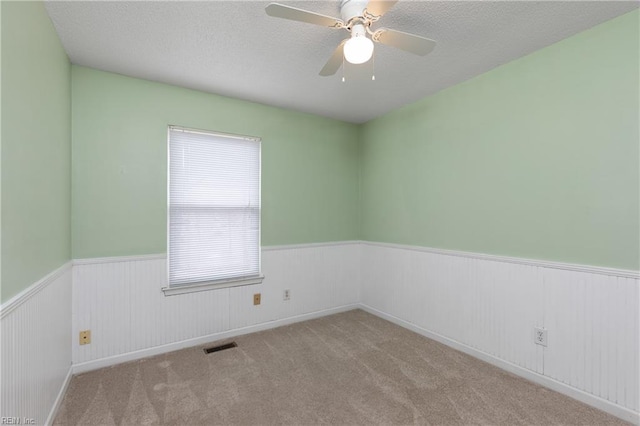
(213, 211)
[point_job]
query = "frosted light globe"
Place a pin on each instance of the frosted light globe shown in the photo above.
(358, 49)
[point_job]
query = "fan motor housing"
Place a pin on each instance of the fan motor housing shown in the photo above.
(350, 9)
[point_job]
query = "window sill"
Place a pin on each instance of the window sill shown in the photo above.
(211, 285)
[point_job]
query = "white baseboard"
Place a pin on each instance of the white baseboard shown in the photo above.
(592, 400)
(132, 356)
(59, 398)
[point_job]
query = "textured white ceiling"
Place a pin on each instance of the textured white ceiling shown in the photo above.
(233, 48)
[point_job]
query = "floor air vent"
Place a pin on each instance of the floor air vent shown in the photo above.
(220, 348)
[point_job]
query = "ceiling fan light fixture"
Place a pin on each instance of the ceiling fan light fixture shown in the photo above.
(358, 49)
(357, 18)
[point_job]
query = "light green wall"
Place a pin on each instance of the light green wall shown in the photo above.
(36, 143)
(538, 158)
(1, 300)
(309, 164)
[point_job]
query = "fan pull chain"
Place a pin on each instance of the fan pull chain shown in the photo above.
(343, 67)
(373, 66)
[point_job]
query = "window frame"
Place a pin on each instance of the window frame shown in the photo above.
(170, 290)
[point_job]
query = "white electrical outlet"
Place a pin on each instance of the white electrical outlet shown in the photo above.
(540, 336)
(286, 295)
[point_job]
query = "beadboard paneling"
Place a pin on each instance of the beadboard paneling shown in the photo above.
(486, 303)
(493, 306)
(36, 348)
(593, 334)
(122, 303)
(319, 277)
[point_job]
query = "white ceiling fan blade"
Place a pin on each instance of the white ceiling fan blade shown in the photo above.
(380, 7)
(404, 41)
(334, 62)
(295, 14)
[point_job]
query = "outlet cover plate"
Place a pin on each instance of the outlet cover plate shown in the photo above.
(85, 337)
(540, 336)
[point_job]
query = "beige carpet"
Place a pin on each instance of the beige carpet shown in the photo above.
(350, 368)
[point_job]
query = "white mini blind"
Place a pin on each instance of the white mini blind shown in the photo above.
(214, 207)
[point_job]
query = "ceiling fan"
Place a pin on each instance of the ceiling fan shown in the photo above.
(357, 18)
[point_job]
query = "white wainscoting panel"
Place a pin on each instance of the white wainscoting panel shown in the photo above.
(484, 305)
(121, 302)
(493, 306)
(319, 277)
(593, 334)
(36, 348)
